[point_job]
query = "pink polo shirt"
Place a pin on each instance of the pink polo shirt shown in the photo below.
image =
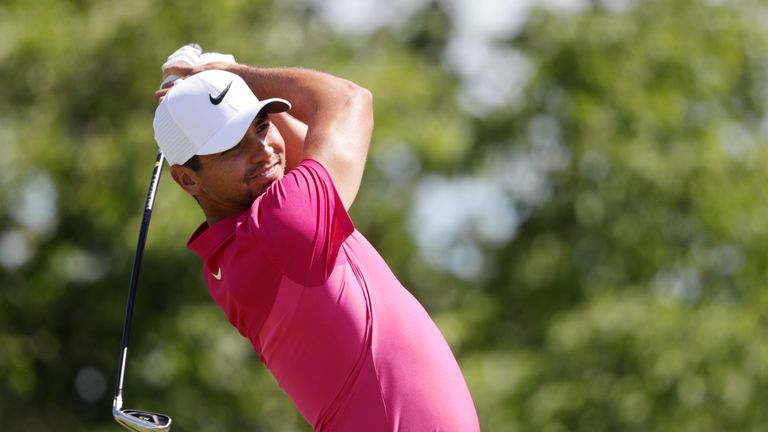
(343, 338)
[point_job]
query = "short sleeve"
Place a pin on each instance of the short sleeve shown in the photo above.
(302, 222)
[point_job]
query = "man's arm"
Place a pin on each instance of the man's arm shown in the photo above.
(294, 133)
(338, 114)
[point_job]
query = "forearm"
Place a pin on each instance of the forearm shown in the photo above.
(294, 132)
(338, 114)
(313, 94)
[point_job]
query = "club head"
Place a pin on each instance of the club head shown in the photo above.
(142, 421)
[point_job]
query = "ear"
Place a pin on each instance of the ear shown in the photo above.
(186, 178)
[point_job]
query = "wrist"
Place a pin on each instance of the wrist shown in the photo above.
(239, 69)
(251, 76)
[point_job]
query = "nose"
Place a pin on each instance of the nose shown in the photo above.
(259, 150)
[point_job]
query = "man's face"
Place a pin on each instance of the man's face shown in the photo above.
(230, 181)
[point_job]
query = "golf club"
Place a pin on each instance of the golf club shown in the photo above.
(135, 420)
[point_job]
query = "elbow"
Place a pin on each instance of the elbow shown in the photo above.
(365, 95)
(361, 101)
(357, 95)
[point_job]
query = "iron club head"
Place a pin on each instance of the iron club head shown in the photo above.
(140, 421)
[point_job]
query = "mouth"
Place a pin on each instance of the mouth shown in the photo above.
(267, 171)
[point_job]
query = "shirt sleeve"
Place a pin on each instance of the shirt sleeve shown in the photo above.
(303, 223)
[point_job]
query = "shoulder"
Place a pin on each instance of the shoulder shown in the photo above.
(308, 171)
(303, 203)
(308, 186)
(300, 220)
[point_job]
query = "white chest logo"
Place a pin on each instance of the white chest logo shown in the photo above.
(217, 275)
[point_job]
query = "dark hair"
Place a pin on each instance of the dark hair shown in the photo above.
(194, 164)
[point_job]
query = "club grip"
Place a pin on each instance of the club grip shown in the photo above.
(170, 79)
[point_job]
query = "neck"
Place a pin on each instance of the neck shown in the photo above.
(211, 219)
(217, 213)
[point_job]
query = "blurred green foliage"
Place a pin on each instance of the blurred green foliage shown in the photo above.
(629, 298)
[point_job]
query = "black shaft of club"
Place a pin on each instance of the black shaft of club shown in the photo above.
(156, 171)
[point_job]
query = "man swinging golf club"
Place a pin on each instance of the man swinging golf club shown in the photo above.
(352, 348)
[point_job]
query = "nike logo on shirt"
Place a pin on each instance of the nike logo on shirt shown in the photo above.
(217, 100)
(217, 276)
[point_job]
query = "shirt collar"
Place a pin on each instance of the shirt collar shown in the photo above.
(206, 239)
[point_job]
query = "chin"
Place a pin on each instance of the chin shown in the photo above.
(256, 191)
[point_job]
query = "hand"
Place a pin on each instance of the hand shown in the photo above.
(213, 57)
(188, 60)
(191, 55)
(160, 94)
(183, 71)
(187, 55)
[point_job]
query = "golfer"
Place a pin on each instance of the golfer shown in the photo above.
(352, 348)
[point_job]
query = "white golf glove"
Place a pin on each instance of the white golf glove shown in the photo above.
(186, 55)
(211, 57)
(192, 55)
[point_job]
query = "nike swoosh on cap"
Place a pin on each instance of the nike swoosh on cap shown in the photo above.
(217, 100)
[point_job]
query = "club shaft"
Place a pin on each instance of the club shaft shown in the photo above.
(156, 171)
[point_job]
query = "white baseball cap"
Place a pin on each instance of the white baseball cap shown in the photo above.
(207, 113)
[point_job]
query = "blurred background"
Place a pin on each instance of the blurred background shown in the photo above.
(575, 190)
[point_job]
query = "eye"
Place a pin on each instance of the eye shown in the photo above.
(262, 128)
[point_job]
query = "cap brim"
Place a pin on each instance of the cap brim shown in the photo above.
(231, 134)
(274, 106)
